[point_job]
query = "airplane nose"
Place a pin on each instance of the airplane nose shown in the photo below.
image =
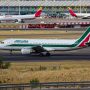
(2, 45)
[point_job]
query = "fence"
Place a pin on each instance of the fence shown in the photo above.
(28, 26)
(40, 86)
(25, 26)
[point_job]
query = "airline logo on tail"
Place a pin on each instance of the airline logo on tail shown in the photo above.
(84, 40)
(38, 13)
(72, 12)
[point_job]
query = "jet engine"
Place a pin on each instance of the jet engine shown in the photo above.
(26, 51)
(19, 21)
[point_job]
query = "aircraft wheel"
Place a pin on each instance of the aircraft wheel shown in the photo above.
(41, 54)
(11, 52)
(44, 54)
(47, 54)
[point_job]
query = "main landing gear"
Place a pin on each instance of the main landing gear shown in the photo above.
(41, 51)
(44, 54)
(11, 52)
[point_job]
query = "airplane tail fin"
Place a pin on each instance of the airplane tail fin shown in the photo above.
(38, 13)
(84, 40)
(72, 13)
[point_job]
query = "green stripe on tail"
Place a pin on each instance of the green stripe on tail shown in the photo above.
(84, 38)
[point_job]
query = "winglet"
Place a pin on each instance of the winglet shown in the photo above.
(72, 12)
(38, 13)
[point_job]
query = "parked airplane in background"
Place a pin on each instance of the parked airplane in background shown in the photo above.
(80, 15)
(19, 18)
(44, 46)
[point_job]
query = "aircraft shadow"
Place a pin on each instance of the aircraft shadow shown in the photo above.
(53, 57)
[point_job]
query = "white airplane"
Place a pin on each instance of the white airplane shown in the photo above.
(80, 15)
(44, 46)
(19, 18)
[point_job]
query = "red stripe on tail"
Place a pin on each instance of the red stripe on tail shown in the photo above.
(38, 13)
(72, 12)
(83, 43)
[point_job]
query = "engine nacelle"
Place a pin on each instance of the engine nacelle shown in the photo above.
(26, 51)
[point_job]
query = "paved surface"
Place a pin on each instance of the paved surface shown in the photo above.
(54, 20)
(64, 89)
(82, 54)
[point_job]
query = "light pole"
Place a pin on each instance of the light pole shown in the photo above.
(19, 6)
(8, 7)
(80, 6)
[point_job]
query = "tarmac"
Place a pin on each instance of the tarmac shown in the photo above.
(77, 55)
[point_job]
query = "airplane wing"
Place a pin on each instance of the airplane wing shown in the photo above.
(43, 51)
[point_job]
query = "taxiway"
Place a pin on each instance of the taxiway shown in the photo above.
(82, 54)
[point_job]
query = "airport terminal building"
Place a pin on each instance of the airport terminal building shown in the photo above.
(50, 7)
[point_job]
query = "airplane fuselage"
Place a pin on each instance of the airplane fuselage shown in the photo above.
(83, 14)
(19, 18)
(44, 46)
(16, 17)
(49, 44)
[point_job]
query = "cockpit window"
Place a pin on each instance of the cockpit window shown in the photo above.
(1, 42)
